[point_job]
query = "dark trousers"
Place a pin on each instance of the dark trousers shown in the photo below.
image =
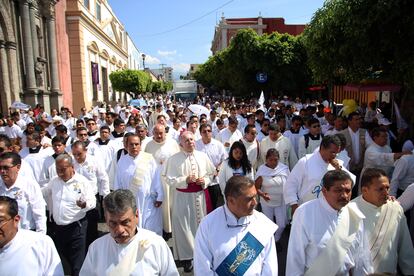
(93, 217)
(71, 243)
(216, 196)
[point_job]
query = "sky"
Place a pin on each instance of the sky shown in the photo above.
(156, 27)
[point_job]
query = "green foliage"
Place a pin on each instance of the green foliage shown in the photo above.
(133, 82)
(353, 40)
(281, 56)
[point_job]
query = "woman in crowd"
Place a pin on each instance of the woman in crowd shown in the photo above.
(270, 179)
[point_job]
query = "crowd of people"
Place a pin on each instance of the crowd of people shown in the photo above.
(224, 178)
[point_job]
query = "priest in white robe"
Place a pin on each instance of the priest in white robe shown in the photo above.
(24, 252)
(127, 249)
(189, 172)
(327, 235)
(230, 134)
(138, 172)
(379, 155)
(282, 144)
(385, 225)
(304, 181)
(162, 147)
(252, 145)
(235, 239)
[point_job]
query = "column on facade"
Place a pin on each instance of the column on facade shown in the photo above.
(35, 42)
(223, 37)
(27, 47)
(14, 73)
(53, 62)
(5, 95)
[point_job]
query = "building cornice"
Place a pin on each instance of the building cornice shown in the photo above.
(88, 23)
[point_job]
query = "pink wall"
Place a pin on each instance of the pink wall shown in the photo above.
(63, 54)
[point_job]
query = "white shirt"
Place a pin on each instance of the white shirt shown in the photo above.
(30, 253)
(403, 174)
(36, 161)
(63, 196)
(94, 171)
(149, 254)
(304, 181)
(13, 132)
(225, 135)
(215, 152)
(379, 157)
(32, 207)
(107, 152)
(215, 240)
(407, 198)
(313, 225)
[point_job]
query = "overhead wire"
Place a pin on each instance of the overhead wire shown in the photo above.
(189, 22)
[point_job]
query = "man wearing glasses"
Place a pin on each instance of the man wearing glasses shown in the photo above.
(24, 252)
(26, 191)
(235, 239)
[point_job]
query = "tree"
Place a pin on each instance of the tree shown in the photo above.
(281, 56)
(133, 82)
(354, 40)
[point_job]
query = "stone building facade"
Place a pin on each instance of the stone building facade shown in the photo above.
(28, 56)
(97, 47)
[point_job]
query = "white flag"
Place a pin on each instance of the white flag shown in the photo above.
(261, 101)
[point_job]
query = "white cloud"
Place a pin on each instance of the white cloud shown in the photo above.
(181, 67)
(151, 60)
(167, 53)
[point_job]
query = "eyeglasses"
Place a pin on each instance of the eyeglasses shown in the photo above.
(234, 226)
(91, 124)
(316, 126)
(6, 168)
(206, 131)
(82, 134)
(4, 222)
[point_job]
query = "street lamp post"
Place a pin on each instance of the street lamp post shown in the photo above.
(143, 60)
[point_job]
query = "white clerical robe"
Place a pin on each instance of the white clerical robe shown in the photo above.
(287, 154)
(30, 253)
(313, 225)
(141, 175)
(188, 208)
(36, 161)
(389, 238)
(380, 158)
(145, 254)
(252, 149)
(304, 181)
(215, 240)
(161, 152)
(107, 151)
(226, 136)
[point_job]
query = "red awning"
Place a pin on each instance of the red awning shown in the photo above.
(316, 88)
(372, 87)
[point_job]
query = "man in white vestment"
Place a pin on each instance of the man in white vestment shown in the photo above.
(327, 235)
(36, 154)
(49, 166)
(32, 207)
(217, 154)
(162, 147)
(403, 175)
(385, 225)
(138, 172)
(142, 132)
(230, 134)
(24, 252)
(235, 239)
(294, 133)
(304, 181)
(379, 155)
(252, 145)
(310, 141)
(189, 172)
(277, 141)
(107, 147)
(127, 249)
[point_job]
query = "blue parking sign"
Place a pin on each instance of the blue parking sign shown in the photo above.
(261, 77)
